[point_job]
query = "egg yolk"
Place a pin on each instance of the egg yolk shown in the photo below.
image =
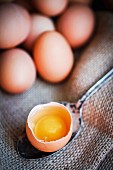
(50, 128)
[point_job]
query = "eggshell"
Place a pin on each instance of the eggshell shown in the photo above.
(15, 24)
(77, 24)
(50, 7)
(53, 56)
(17, 70)
(39, 24)
(36, 113)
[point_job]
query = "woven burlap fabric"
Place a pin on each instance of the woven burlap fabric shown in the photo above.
(92, 148)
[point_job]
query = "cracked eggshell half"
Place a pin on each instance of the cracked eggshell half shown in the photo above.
(39, 111)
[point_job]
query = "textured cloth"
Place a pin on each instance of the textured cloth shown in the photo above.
(92, 149)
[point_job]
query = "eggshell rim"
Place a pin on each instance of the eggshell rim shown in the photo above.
(32, 112)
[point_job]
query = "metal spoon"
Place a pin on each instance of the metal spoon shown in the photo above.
(24, 147)
(26, 150)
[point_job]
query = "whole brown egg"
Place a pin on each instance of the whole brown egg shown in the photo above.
(15, 24)
(17, 70)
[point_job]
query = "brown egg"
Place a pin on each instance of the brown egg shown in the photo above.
(77, 24)
(17, 70)
(49, 126)
(50, 7)
(53, 56)
(39, 24)
(15, 24)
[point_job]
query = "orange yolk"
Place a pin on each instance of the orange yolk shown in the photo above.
(50, 128)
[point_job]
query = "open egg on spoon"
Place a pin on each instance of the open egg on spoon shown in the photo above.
(49, 126)
(24, 147)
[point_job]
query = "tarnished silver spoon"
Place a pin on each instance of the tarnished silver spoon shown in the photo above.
(24, 147)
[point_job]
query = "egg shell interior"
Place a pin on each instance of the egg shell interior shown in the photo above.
(36, 113)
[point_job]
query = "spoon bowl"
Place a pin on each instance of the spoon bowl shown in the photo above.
(26, 150)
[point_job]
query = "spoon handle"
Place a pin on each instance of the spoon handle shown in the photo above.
(95, 87)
